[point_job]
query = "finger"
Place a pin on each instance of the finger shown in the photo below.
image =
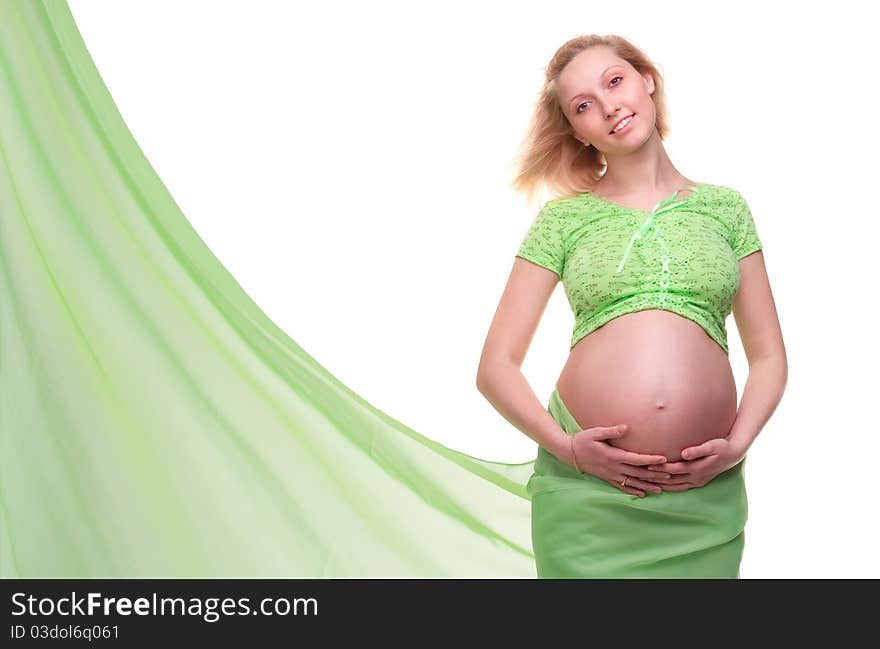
(671, 467)
(607, 432)
(663, 481)
(628, 457)
(706, 448)
(626, 489)
(641, 484)
(678, 486)
(645, 474)
(674, 478)
(680, 470)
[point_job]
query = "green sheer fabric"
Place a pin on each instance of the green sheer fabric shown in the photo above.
(155, 422)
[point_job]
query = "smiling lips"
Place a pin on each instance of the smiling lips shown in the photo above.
(628, 117)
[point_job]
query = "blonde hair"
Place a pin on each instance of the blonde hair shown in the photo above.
(550, 155)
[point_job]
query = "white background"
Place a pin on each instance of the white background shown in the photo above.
(349, 163)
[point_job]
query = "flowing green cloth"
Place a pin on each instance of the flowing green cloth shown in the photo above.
(155, 422)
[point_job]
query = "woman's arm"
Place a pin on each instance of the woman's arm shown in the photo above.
(499, 377)
(506, 388)
(754, 311)
(761, 395)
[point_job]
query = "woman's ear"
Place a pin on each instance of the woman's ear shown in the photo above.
(649, 82)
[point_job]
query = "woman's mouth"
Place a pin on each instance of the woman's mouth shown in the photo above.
(626, 124)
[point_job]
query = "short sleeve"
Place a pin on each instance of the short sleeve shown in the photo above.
(745, 234)
(542, 243)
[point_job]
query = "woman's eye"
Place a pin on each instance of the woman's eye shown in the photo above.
(586, 102)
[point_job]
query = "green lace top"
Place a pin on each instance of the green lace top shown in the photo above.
(681, 257)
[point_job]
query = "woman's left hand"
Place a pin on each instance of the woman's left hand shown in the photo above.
(700, 464)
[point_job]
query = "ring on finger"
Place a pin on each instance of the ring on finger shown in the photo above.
(623, 482)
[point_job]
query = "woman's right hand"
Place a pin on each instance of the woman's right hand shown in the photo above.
(594, 455)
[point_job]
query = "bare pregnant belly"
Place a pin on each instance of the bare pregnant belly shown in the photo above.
(657, 372)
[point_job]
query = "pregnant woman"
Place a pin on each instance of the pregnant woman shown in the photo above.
(642, 448)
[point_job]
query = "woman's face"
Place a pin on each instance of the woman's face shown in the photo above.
(596, 90)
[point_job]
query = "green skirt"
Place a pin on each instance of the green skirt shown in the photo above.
(584, 528)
